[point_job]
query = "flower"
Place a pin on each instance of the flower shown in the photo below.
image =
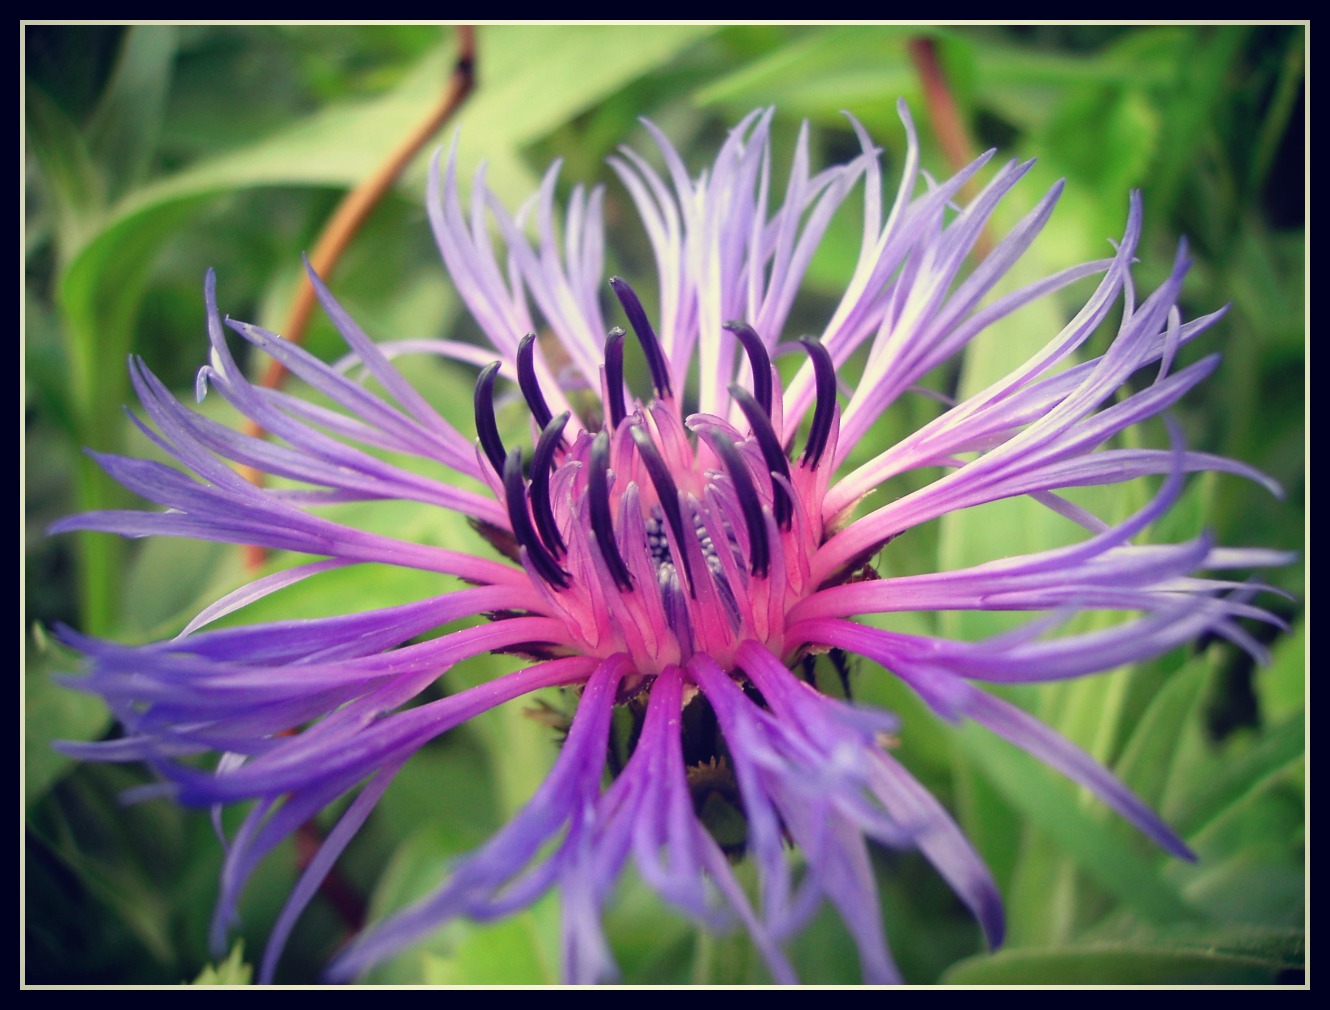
(674, 563)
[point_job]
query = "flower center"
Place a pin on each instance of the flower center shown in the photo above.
(661, 536)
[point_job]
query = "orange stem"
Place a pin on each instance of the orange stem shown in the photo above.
(348, 219)
(948, 123)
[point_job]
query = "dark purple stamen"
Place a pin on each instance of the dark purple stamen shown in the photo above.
(759, 551)
(526, 379)
(598, 488)
(542, 462)
(825, 373)
(486, 428)
(667, 492)
(772, 452)
(614, 377)
(646, 336)
(759, 359)
(514, 491)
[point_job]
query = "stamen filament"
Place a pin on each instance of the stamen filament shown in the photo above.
(666, 491)
(541, 462)
(514, 490)
(772, 453)
(646, 336)
(614, 377)
(759, 554)
(598, 492)
(530, 386)
(824, 372)
(486, 428)
(758, 359)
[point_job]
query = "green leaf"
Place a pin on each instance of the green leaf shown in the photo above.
(1281, 688)
(510, 110)
(1104, 139)
(865, 68)
(1149, 757)
(1145, 60)
(653, 943)
(1279, 750)
(1275, 122)
(52, 712)
(989, 820)
(862, 69)
(515, 104)
(67, 171)
(99, 298)
(1253, 862)
(114, 854)
(45, 369)
(460, 951)
(449, 784)
(122, 134)
(170, 579)
(1056, 811)
(314, 151)
(1043, 896)
(507, 952)
(1211, 55)
(232, 971)
(1232, 956)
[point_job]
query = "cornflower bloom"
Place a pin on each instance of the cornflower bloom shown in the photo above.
(679, 564)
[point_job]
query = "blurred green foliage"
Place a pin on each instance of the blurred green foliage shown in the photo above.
(154, 153)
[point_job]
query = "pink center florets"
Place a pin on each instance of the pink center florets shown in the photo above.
(663, 537)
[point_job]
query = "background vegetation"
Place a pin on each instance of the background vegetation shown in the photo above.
(154, 153)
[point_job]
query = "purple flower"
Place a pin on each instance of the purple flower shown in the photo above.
(675, 563)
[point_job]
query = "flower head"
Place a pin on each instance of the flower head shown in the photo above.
(678, 563)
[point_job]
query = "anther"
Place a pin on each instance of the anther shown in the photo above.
(759, 359)
(825, 374)
(486, 428)
(759, 551)
(772, 453)
(667, 492)
(646, 336)
(598, 489)
(614, 377)
(542, 462)
(526, 379)
(514, 490)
